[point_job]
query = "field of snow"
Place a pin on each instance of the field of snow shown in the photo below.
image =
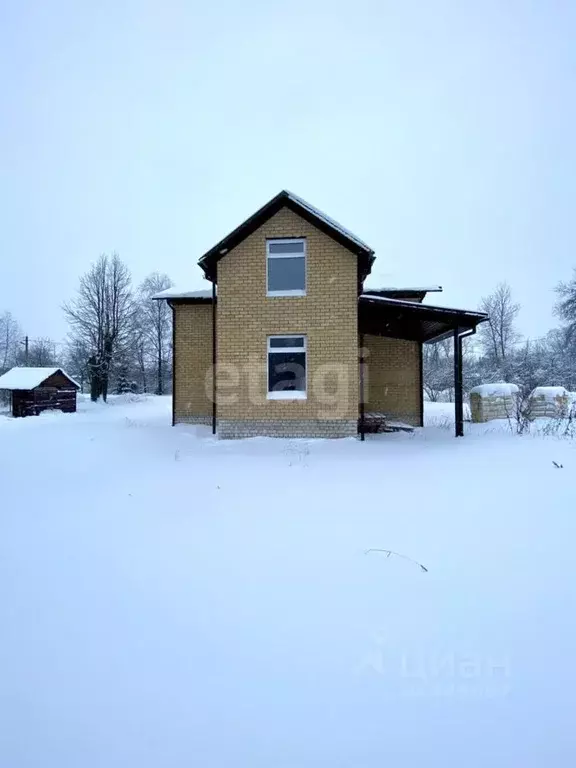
(171, 600)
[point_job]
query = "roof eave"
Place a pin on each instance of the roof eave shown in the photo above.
(416, 322)
(208, 261)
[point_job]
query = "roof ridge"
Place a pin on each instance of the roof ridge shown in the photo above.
(300, 207)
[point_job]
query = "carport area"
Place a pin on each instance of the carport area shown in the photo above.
(420, 323)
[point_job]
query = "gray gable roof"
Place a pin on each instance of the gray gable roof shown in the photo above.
(308, 212)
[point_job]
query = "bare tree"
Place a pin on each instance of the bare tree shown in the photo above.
(156, 323)
(76, 361)
(566, 306)
(10, 335)
(141, 351)
(101, 318)
(438, 369)
(499, 335)
(41, 353)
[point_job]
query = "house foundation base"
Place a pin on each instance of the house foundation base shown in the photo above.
(191, 418)
(312, 428)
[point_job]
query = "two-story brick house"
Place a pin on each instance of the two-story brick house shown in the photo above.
(298, 347)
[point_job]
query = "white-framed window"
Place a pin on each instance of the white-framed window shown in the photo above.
(286, 267)
(286, 367)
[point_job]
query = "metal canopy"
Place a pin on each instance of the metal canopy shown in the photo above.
(422, 323)
(409, 320)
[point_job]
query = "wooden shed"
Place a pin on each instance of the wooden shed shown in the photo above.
(35, 390)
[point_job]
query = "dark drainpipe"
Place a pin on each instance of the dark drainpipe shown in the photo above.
(214, 355)
(362, 406)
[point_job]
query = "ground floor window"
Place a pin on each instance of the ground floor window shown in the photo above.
(286, 367)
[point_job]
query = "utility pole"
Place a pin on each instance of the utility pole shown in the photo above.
(25, 342)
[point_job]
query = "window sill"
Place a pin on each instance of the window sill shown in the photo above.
(271, 294)
(287, 395)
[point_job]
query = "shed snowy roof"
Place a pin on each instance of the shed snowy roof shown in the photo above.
(314, 216)
(29, 378)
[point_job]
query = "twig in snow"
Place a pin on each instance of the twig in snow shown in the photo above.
(389, 552)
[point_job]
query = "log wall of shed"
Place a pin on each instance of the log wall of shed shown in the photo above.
(58, 380)
(31, 402)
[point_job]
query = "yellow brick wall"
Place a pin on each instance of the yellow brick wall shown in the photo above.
(327, 315)
(192, 362)
(392, 377)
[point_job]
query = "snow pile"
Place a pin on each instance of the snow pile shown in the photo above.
(169, 599)
(499, 389)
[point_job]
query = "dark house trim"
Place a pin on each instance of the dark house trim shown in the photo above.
(361, 368)
(458, 394)
(284, 200)
(171, 305)
(421, 377)
(411, 321)
(362, 388)
(214, 356)
(188, 300)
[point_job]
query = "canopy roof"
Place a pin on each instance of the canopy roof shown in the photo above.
(286, 199)
(30, 378)
(414, 294)
(412, 321)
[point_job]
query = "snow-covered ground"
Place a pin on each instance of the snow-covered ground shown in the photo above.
(170, 600)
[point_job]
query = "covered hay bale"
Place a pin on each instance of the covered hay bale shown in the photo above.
(548, 403)
(493, 401)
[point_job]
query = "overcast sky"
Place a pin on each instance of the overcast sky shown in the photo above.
(442, 133)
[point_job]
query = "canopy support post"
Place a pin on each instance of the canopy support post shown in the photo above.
(458, 395)
(361, 386)
(214, 354)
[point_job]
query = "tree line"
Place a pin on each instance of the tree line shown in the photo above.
(499, 352)
(119, 338)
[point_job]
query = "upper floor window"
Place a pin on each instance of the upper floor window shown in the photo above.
(286, 267)
(286, 367)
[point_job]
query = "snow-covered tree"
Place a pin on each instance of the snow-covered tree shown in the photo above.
(499, 335)
(42, 352)
(566, 306)
(101, 318)
(123, 385)
(439, 368)
(155, 321)
(10, 336)
(76, 361)
(438, 364)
